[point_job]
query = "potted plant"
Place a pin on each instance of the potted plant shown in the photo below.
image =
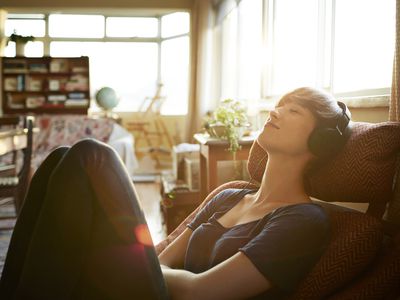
(228, 121)
(20, 42)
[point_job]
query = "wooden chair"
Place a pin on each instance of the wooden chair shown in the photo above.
(16, 136)
(151, 128)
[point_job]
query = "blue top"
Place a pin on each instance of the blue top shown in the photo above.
(283, 245)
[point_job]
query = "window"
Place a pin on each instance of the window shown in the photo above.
(129, 54)
(269, 47)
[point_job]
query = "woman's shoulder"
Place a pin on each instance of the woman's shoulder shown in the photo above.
(303, 214)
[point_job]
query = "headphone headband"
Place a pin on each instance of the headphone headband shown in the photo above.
(344, 119)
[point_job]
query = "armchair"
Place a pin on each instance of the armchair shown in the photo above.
(362, 260)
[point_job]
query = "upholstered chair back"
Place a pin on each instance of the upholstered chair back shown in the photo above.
(363, 172)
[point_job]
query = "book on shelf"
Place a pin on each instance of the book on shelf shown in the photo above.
(77, 83)
(56, 98)
(10, 84)
(58, 65)
(76, 95)
(80, 69)
(20, 83)
(33, 84)
(35, 101)
(15, 66)
(14, 103)
(77, 103)
(38, 67)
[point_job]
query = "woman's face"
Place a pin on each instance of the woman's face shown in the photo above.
(287, 129)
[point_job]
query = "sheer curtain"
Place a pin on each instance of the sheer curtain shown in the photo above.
(394, 109)
(3, 39)
(201, 43)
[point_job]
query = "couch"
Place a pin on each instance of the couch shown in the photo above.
(362, 260)
(57, 130)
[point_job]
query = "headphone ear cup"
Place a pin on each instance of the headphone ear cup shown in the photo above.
(324, 142)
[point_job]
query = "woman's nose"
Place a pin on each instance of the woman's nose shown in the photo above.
(274, 114)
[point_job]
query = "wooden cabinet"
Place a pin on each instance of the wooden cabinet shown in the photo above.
(177, 203)
(45, 85)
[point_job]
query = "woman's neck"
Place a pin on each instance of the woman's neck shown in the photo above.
(283, 181)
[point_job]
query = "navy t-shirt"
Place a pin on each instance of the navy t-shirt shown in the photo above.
(283, 245)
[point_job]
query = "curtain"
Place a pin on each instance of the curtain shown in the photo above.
(200, 84)
(3, 39)
(394, 108)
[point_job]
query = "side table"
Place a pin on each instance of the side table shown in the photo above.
(213, 150)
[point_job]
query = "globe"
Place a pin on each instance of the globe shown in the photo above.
(107, 98)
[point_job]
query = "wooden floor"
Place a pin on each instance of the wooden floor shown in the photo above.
(149, 197)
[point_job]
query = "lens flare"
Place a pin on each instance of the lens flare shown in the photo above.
(143, 235)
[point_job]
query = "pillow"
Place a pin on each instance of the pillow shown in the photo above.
(355, 241)
(362, 172)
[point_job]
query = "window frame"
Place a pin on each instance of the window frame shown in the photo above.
(158, 39)
(325, 55)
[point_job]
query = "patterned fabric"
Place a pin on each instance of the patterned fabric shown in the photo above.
(394, 109)
(356, 239)
(57, 130)
(393, 211)
(362, 172)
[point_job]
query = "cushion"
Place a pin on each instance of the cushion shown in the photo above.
(362, 172)
(356, 239)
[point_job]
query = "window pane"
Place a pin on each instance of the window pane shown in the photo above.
(132, 27)
(89, 26)
(364, 44)
(175, 75)
(129, 68)
(174, 24)
(25, 27)
(229, 56)
(250, 42)
(295, 45)
(32, 49)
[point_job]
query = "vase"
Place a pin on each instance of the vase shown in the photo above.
(20, 49)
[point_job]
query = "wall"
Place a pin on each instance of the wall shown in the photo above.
(97, 4)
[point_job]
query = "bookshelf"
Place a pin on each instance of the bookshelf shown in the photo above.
(58, 85)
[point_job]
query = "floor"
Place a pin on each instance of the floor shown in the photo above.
(149, 197)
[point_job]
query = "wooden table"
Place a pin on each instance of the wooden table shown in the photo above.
(213, 150)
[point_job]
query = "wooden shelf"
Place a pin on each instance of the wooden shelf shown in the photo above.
(32, 84)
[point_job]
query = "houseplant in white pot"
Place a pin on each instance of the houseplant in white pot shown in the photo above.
(20, 42)
(229, 121)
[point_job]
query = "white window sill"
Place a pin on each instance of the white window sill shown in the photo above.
(366, 101)
(351, 102)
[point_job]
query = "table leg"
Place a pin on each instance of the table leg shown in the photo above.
(203, 177)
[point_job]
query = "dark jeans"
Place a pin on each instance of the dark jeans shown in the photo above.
(79, 233)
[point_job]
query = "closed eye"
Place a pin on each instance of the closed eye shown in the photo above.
(294, 111)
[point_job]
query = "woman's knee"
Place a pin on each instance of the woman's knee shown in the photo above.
(92, 149)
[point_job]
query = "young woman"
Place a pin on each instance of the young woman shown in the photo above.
(81, 233)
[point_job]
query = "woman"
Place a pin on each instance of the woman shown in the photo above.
(80, 234)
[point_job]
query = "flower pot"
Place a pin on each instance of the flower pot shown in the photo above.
(217, 130)
(20, 49)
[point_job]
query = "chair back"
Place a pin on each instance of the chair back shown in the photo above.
(16, 135)
(363, 172)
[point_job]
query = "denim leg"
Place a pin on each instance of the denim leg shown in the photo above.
(91, 240)
(25, 224)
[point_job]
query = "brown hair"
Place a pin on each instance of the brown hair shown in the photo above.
(327, 112)
(321, 104)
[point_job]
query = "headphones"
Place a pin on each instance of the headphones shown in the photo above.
(327, 141)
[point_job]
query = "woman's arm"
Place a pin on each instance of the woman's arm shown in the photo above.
(234, 278)
(174, 255)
